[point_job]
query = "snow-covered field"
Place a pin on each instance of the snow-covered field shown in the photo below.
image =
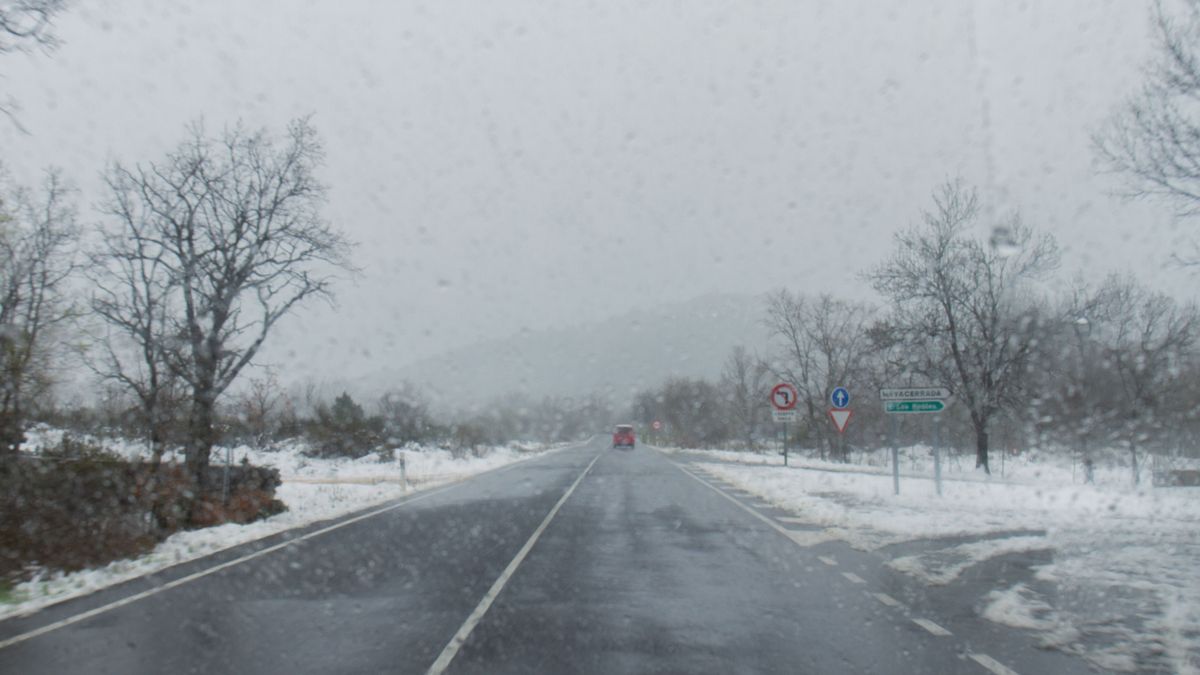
(313, 489)
(1125, 564)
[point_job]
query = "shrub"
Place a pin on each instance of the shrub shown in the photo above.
(80, 507)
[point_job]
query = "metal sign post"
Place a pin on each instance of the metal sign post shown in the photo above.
(895, 460)
(937, 453)
(784, 397)
(910, 401)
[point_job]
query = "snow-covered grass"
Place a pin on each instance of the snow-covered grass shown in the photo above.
(1124, 560)
(1111, 467)
(313, 490)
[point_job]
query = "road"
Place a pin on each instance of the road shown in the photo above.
(587, 560)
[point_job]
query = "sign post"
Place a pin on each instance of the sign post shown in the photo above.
(916, 401)
(784, 397)
(937, 453)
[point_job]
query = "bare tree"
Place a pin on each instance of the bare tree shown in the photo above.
(966, 303)
(406, 416)
(744, 381)
(1154, 137)
(825, 344)
(38, 236)
(235, 223)
(25, 25)
(132, 293)
(258, 407)
(1146, 339)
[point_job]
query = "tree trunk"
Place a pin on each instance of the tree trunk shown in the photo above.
(1133, 457)
(201, 436)
(981, 447)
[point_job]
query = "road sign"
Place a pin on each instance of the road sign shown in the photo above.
(914, 394)
(784, 415)
(840, 417)
(657, 425)
(913, 406)
(840, 398)
(784, 396)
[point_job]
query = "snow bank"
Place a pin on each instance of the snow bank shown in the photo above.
(1123, 563)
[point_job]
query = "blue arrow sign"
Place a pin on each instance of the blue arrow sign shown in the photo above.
(840, 398)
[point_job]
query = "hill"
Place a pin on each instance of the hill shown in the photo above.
(614, 357)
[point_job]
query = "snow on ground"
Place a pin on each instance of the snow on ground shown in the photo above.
(313, 489)
(1123, 584)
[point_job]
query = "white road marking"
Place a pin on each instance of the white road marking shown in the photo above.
(828, 561)
(808, 538)
(992, 664)
(854, 578)
(50, 627)
(203, 573)
(886, 599)
(793, 520)
(456, 643)
(932, 627)
(770, 523)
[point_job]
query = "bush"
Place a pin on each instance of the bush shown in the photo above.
(80, 507)
(344, 430)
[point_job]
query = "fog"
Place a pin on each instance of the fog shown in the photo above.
(509, 167)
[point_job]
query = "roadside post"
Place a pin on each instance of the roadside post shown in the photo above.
(916, 401)
(784, 397)
(225, 478)
(937, 453)
(403, 469)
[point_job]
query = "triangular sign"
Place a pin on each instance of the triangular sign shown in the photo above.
(840, 417)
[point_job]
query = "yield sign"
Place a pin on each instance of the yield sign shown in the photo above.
(840, 417)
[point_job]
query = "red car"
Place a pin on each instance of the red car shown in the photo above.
(623, 436)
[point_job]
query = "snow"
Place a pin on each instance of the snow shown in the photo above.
(313, 489)
(1123, 565)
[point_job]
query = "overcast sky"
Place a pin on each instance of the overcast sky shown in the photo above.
(508, 165)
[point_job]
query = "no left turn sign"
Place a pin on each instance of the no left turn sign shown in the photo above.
(784, 396)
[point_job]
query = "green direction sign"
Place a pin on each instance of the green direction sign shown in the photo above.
(914, 406)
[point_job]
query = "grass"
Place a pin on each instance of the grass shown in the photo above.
(8, 596)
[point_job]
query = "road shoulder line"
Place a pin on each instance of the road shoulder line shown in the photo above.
(339, 522)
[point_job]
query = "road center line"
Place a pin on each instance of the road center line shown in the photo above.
(886, 599)
(992, 664)
(827, 560)
(456, 643)
(853, 578)
(932, 627)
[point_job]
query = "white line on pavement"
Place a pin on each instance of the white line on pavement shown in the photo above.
(886, 599)
(932, 627)
(827, 560)
(853, 578)
(456, 643)
(992, 664)
(211, 570)
(770, 523)
(16, 639)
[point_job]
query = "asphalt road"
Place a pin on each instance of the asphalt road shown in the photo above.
(588, 560)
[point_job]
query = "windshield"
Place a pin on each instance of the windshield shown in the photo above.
(315, 319)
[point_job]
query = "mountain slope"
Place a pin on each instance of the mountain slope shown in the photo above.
(613, 357)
